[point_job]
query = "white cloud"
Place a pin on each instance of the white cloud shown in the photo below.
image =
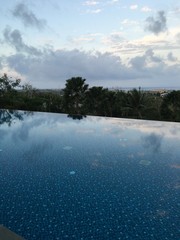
(134, 7)
(83, 39)
(91, 3)
(113, 1)
(113, 39)
(129, 22)
(162, 43)
(178, 37)
(95, 11)
(146, 9)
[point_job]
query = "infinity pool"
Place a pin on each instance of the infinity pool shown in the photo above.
(90, 178)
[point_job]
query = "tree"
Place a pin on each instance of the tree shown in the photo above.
(120, 109)
(110, 103)
(8, 90)
(136, 103)
(28, 90)
(74, 95)
(170, 108)
(8, 85)
(95, 99)
(9, 116)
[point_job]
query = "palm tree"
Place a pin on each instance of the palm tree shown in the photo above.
(95, 101)
(170, 108)
(136, 102)
(74, 95)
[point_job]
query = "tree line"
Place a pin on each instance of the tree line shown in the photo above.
(78, 99)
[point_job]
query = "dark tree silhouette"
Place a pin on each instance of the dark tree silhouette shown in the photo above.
(8, 91)
(136, 102)
(95, 101)
(77, 101)
(74, 95)
(8, 85)
(170, 108)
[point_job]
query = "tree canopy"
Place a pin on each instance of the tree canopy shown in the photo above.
(74, 95)
(8, 85)
(78, 100)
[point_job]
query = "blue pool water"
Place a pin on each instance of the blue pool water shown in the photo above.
(94, 178)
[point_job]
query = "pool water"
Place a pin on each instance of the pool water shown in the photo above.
(90, 178)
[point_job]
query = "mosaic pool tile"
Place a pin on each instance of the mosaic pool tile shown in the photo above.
(94, 179)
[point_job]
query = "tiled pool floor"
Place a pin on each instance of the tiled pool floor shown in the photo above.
(94, 178)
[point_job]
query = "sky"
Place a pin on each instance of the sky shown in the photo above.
(110, 43)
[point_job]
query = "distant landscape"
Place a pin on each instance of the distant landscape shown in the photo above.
(77, 99)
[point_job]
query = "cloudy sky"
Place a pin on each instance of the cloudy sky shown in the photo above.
(110, 43)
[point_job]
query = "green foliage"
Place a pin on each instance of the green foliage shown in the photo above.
(95, 101)
(170, 108)
(8, 90)
(136, 103)
(77, 100)
(74, 95)
(8, 85)
(8, 116)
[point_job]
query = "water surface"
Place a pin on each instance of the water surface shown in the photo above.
(90, 178)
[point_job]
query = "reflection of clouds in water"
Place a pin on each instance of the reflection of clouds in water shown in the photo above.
(176, 166)
(2, 134)
(38, 123)
(115, 130)
(85, 131)
(24, 129)
(123, 139)
(98, 154)
(160, 213)
(131, 156)
(177, 186)
(153, 142)
(145, 162)
(22, 133)
(141, 154)
(100, 164)
(35, 150)
(67, 148)
(167, 129)
(95, 163)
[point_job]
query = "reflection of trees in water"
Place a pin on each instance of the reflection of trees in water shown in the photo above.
(76, 116)
(35, 151)
(8, 116)
(153, 141)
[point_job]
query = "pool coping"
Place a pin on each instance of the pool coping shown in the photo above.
(6, 234)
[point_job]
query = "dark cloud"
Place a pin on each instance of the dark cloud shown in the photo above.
(53, 68)
(153, 142)
(141, 62)
(28, 18)
(171, 58)
(0, 63)
(57, 66)
(14, 38)
(150, 54)
(158, 24)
